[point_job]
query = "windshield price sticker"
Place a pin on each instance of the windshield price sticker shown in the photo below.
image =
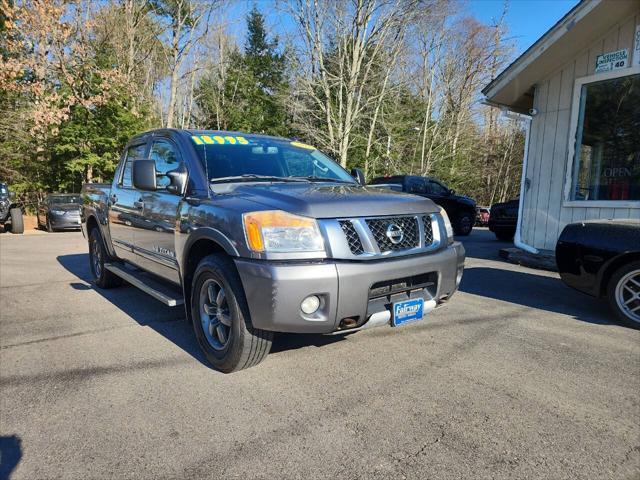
(302, 145)
(219, 140)
(612, 61)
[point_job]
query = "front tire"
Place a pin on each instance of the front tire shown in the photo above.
(102, 277)
(464, 224)
(17, 222)
(221, 318)
(623, 293)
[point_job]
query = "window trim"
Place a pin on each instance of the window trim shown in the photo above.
(573, 131)
(119, 183)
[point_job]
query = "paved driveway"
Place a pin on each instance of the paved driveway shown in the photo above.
(519, 377)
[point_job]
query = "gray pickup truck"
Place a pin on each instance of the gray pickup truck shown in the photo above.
(257, 234)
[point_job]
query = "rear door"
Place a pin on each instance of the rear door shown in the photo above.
(415, 185)
(155, 239)
(125, 208)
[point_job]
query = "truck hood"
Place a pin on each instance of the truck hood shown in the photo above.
(324, 200)
(465, 200)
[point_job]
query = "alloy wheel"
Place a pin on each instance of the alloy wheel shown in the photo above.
(215, 315)
(96, 257)
(627, 295)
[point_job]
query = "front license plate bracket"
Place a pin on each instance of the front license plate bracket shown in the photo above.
(407, 311)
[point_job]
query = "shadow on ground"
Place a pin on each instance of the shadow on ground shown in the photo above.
(10, 454)
(170, 322)
(536, 291)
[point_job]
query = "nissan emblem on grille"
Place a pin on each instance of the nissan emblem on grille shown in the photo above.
(395, 233)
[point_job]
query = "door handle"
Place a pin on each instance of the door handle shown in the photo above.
(139, 204)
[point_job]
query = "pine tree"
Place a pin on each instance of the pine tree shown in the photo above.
(255, 85)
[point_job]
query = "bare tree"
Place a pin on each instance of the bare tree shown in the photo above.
(344, 43)
(188, 23)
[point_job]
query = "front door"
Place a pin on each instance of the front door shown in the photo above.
(125, 212)
(155, 241)
(440, 194)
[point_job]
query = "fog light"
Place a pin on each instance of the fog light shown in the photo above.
(310, 304)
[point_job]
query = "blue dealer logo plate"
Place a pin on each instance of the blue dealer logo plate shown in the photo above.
(407, 311)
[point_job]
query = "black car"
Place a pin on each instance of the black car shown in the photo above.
(460, 209)
(602, 258)
(60, 211)
(10, 211)
(503, 219)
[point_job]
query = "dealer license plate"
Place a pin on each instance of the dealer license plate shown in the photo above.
(407, 311)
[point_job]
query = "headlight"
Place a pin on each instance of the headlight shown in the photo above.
(447, 225)
(278, 231)
(57, 212)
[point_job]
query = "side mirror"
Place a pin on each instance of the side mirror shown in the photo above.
(178, 179)
(144, 175)
(358, 175)
(452, 191)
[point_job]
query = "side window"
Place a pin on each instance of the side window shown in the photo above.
(166, 156)
(416, 185)
(436, 189)
(133, 153)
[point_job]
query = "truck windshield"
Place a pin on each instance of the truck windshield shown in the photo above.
(243, 158)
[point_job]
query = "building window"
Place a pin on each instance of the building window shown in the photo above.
(607, 143)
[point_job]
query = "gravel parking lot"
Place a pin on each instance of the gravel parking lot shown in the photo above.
(518, 377)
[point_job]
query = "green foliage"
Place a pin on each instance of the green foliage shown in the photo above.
(88, 145)
(249, 97)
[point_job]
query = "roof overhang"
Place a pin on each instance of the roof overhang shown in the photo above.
(513, 88)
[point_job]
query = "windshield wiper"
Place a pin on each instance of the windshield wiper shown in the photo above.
(313, 178)
(251, 177)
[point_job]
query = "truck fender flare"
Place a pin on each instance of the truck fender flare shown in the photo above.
(209, 233)
(202, 233)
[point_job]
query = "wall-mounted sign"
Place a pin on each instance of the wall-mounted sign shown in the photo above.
(636, 47)
(612, 61)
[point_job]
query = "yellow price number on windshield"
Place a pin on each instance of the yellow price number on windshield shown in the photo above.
(219, 140)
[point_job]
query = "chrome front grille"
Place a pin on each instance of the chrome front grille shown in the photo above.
(428, 230)
(376, 236)
(353, 239)
(379, 228)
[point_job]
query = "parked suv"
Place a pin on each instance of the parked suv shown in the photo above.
(503, 219)
(257, 234)
(461, 209)
(10, 211)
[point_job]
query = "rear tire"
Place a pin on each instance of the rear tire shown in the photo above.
(464, 224)
(17, 222)
(623, 294)
(102, 277)
(221, 318)
(504, 235)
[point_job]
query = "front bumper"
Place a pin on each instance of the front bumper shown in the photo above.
(65, 222)
(274, 290)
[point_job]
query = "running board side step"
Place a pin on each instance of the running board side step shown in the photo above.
(144, 282)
